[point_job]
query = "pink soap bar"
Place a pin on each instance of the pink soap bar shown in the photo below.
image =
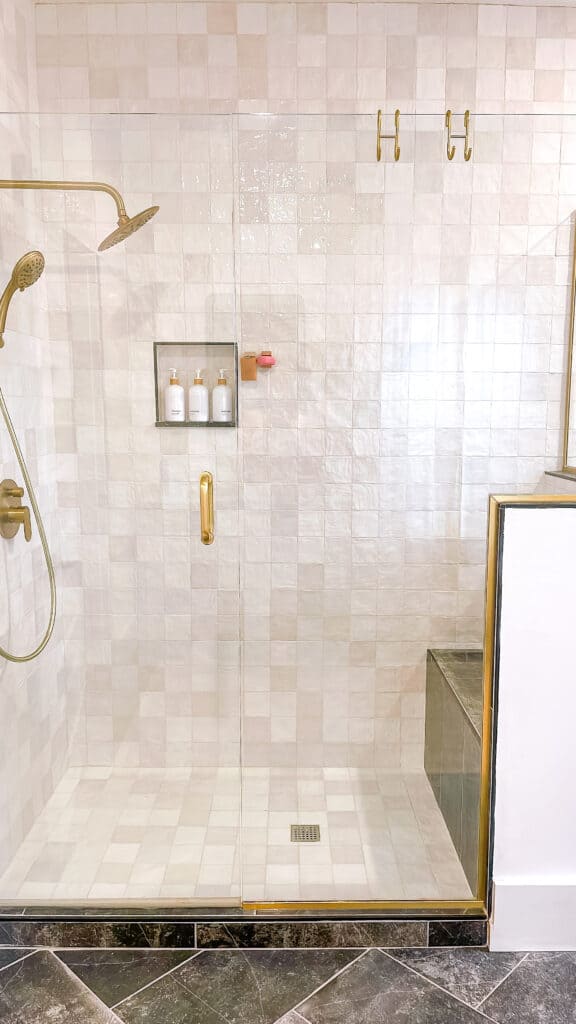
(265, 359)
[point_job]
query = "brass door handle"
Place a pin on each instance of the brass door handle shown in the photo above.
(206, 509)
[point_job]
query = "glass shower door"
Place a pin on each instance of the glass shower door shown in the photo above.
(398, 299)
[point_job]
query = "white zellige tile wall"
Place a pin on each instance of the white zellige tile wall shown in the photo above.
(39, 700)
(418, 314)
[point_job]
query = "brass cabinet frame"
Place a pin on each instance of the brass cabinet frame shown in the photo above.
(566, 467)
(479, 905)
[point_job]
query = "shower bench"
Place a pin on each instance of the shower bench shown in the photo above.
(452, 746)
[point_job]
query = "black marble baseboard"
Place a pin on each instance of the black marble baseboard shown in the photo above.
(195, 933)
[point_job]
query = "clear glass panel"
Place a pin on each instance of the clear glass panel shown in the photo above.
(417, 312)
(138, 699)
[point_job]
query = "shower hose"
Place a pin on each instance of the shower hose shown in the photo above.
(49, 564)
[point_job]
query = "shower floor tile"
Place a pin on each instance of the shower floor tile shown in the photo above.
(111, 834)
(133, 834)
(380, 839)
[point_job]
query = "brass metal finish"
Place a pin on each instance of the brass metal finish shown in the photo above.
(304, 833)
(126, 225)
(450, 149)
(566, 467)
(11, 494)
(488, 671)
(11, 519)
(395, 136)
(13, 514)
(426, 908)
(26, 272)
(206, 508)
(11, 490)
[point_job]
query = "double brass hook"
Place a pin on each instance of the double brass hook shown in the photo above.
(451, 149)
(395, 136)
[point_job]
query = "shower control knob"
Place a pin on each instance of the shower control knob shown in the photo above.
(13, 514)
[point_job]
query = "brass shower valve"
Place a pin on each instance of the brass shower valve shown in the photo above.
(13, 514)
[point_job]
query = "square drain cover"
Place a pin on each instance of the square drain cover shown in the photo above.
(304, 833)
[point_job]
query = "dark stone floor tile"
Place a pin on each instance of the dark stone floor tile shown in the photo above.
(114, 974)
(236, 987)
(378, 990)
(179, 934)
(295, 934)
(458, 933)
(39, 989)
(542, 990)
(470, 974)
(8, 956)
(291, 1018)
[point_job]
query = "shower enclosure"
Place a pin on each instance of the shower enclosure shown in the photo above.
(197, 701)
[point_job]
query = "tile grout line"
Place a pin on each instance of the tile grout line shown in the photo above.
(19, 959)
(331, 978)
(159, 978)
(505, 978)
(435, 984)
(83, 986)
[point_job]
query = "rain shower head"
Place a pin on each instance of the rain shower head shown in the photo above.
(126, 225)
(26, 272)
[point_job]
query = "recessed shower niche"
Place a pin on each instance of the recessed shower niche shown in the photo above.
(194, 361)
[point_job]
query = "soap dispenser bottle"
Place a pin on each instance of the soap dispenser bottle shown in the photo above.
(174, 407)
(198, 400)
(222, 400)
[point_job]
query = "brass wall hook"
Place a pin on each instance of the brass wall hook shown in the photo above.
(451, 149)
(395, 136)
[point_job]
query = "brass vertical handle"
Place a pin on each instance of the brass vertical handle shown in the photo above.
(206, 508)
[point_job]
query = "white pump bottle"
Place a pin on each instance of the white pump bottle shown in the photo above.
(174, 405)
(222, 400)
(198, 400)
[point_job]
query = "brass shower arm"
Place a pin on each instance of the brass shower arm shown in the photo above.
(71, 186)
(126, 225)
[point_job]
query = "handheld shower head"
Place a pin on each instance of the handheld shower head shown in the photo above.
(28, 269)
(127, 226)
(26, 272)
